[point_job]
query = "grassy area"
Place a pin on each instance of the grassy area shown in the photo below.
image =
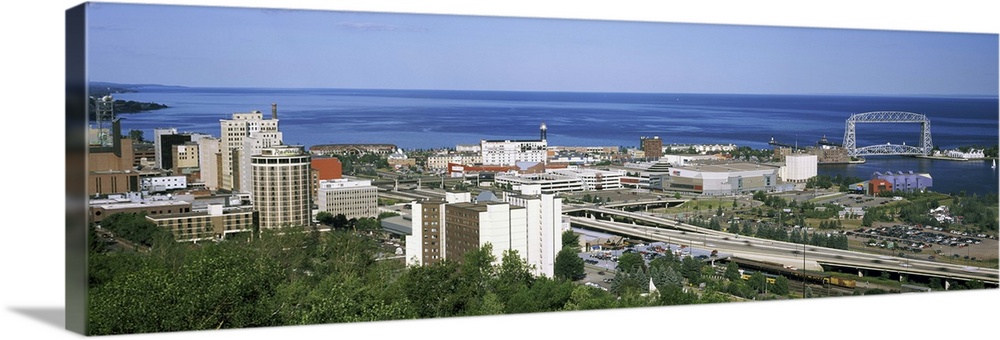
(707, 203)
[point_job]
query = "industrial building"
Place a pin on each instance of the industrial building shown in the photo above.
(799, 168)
(902, 181)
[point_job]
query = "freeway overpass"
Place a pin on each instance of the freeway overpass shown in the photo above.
(790, 254)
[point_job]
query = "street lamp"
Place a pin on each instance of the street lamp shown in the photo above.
(803, 270)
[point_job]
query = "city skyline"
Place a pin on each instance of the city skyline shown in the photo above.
(36, 305)
(278, 48)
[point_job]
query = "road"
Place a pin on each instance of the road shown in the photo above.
(790, 254)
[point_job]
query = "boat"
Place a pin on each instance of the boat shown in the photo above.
(994, 164)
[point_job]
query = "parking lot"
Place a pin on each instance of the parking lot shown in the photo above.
(601, 264)
(928, 242)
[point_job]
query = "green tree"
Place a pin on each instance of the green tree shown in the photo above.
(432, 289)
(370, 225)
(340, 221)
(675, 295)
(491, 305)
(95, 243)
(935, 283)
(568, 265)
(135, 228)
(477, 274)
(780, 286)
(513, 275)
(629, 282)
(136, 136)
(665, 276)
(543, 295)
(732, 271)
(325, 217)
(758, 282)
(631, 262)
(570, 239)
(691, 269)
(588, 298)
(387, 214)
(217, 286)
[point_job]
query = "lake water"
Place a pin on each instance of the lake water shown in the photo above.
(414, 119)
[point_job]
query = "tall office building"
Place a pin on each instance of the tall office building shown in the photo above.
(545, 228)
(470, 226)
(158, 134)
(185, 155)
(425, 245)
(209, 162)
(448, 229)
(352, 198)
(652, 147)
(249, 133)
(282, 186)
(110, 167)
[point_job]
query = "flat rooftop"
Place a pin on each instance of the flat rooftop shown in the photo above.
(728, 167)
(481, 207)
(113, 206)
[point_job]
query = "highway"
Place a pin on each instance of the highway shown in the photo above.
(789, 254)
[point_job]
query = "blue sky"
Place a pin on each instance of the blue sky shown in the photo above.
(239, 47)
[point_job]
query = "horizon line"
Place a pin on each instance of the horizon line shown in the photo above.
(996, 95)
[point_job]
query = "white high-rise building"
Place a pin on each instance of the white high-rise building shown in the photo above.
(545, 228)
(530, 224)
(247, 133)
